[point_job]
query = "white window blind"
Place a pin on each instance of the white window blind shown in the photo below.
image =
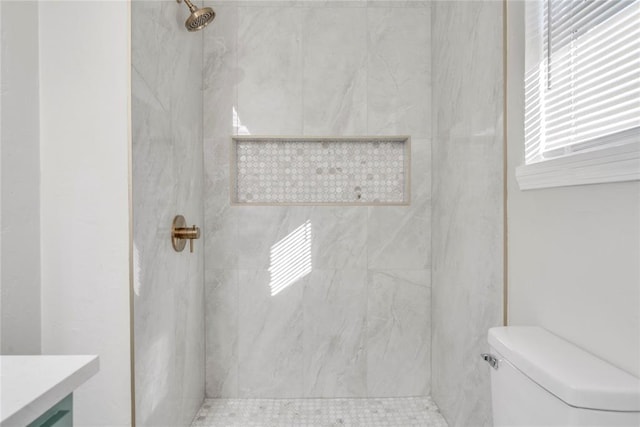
(582, 82)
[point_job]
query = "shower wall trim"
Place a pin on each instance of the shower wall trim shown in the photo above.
(132, 360)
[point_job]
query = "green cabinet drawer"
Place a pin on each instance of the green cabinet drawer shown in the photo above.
(60, 415)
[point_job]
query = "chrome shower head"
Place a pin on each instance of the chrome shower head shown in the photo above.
(199, 18)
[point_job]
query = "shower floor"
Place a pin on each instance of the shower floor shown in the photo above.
(378, 412)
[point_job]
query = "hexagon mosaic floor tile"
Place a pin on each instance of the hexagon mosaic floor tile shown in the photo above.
(374, 412)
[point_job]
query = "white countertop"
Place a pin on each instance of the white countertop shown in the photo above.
(30, 385)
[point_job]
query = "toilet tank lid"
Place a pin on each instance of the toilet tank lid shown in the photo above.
(572, 374)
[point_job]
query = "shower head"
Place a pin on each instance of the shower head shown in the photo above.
(199, 18)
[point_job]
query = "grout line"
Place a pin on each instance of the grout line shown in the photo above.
(431, 181)
(204, 219)
(236, 222)
(368, 275)
(505, 165)
(236, 90)
(366, 67)
(237, 337)
(303, 17)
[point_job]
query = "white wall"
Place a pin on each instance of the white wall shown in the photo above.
(574, 252)
(84, 96)
(20, 179)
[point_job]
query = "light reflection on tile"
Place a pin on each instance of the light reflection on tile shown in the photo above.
(290, 258)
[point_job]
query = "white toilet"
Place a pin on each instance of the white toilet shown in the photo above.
(540, 379)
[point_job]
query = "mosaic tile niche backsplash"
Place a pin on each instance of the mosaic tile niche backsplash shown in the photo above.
(321, 170)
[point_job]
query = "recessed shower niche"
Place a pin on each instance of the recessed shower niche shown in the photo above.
(320, 170)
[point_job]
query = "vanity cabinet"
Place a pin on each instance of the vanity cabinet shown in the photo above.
(60, 415)
(37, 391)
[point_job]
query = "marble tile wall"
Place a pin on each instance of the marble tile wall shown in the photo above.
(167, 180)
(359, 324)
(468, 195)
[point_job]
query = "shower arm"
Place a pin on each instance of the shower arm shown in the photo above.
(192, 8)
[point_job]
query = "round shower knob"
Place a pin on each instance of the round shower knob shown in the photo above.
(180, 233)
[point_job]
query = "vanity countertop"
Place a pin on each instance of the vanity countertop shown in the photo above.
(30, 385)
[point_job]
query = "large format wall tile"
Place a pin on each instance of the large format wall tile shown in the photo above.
(222, 302)
(399, 237)
(220, 74)
(312, 68)
(260, 228)
(335, 71)
(270, 347)
(468, 204)
(398, 333)
(421, 170)
(269, 70)
(339, 239)
(221, 229)
(335, 313)
(338, 236)
(399, 68)
(167, 180)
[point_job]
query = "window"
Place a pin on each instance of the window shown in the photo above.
(582, 92)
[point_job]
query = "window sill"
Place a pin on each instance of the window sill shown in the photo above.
(616, 164)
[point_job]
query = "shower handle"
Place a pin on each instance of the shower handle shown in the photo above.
(180, 233)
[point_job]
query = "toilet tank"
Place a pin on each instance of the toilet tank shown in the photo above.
(542, 380)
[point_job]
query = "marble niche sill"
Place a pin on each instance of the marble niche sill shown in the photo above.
(615, 164)
(30, 385)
